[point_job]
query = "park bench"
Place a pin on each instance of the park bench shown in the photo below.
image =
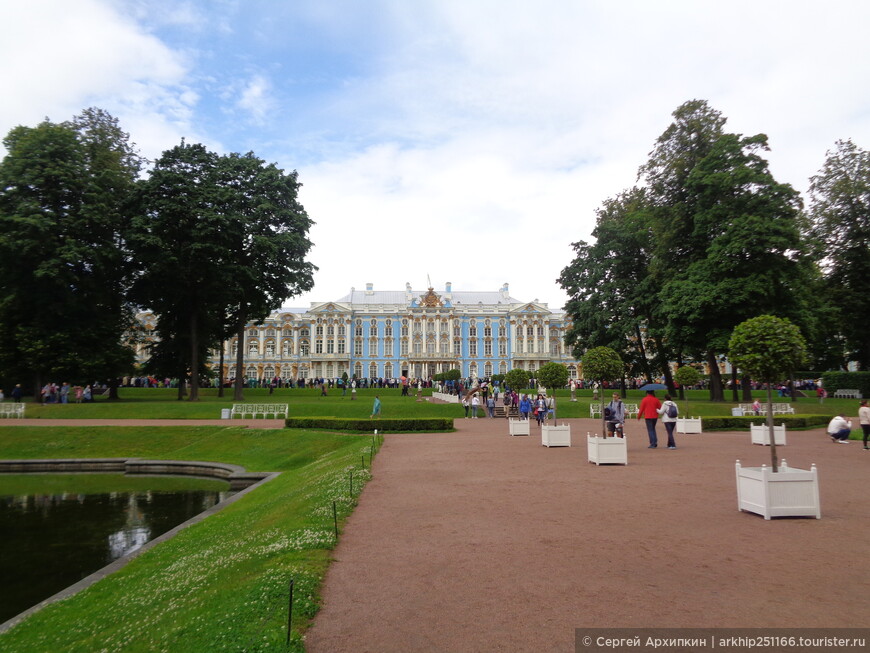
(11, 410)
(778, 409)
(848, 393)
(259, 409)
(630, 409)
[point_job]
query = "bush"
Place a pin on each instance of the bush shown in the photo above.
(400, 425)
(833, 381)
(742, 423)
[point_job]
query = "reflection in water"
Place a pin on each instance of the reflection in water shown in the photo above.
(48, 542)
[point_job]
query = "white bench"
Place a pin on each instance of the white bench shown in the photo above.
(848, 393)
(259, 409)
(630, 409)
(12, 410)
(778, 409)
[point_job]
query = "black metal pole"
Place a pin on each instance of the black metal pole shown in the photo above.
(290, 613)
(335, 520)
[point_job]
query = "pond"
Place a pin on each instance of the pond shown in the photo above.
(56, 529)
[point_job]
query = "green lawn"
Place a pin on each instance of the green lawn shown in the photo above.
(159, 403)
(222, 584)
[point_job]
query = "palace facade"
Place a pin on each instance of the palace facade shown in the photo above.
(386, 334)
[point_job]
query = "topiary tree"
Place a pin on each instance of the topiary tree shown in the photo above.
(602, 364)
(552, 376)
(517, 379)
(686, 376)
(767, 348)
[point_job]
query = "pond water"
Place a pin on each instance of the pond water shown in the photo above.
(51, 540)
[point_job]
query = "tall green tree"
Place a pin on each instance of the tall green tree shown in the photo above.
(612, 292)
(269, 231)
(839, 209)
(553, 376)
(183, 244)
(64, 196)
(727, 235)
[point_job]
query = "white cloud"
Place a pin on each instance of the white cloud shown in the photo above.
(71, 55)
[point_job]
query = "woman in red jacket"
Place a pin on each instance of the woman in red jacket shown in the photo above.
(649, 410)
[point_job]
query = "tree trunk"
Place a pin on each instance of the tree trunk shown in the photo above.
(37, 390)
(716, 393)
(669, 379)
(113, 389)
(238, 386)
(746, 384)
(194, 360)
(682, 389)
(773, 459)
(734, 396)
(220, 392)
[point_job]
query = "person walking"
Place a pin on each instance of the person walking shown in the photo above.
(490, 405)
(16, 393)
(475, 404)
(864, 420)
(525, 407)
(669, 412)
(540, 409)
(376, 408)
(649, 411)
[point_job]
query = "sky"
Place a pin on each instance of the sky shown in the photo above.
(463, 141)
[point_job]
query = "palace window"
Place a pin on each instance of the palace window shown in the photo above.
(270, 332)
(270, 348)
(253, 348)
(373, 347)
(318, 346)
(318, 331)
(341, 331)
(487, 348)
(404, 347)
(330, 331)
(388, 347)
(373, 330)
(405, 328)
(487, 370)
(341, 346)
(330, 346)
(502, 349)
(357, 347)
(358, 329)
(304, 348)
(373, 370)
(457, 348)
(304, 332)
(388, 370)
(472, 330)
(472, 348)
(287, 348)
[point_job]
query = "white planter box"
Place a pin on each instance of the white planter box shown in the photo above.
(519, 426)
(607, 451)
(689, 425)
(556, 436)
(788, 493)
(761, 434)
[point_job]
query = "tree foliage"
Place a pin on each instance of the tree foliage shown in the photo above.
(64, 200)
(517, 379)
(678, 263)
(840, 214)
(602, 364)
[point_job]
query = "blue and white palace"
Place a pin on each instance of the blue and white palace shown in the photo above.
(389, 333)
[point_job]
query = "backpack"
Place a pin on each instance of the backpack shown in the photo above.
(607, 412)
(672, 410)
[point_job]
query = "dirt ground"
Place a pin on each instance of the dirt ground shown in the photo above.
(478, 541)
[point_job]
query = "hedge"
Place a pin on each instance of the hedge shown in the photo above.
(833, 381)
(399, 425)
(742, 423)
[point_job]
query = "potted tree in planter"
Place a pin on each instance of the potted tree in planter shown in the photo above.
(686, 376)
(552, 376)
(517, 380)
(604, 364)
(767, 348)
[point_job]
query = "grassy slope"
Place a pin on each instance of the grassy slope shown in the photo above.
(222, 584)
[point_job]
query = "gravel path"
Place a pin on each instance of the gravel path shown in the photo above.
(477, 541)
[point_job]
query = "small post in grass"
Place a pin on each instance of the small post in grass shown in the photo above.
(351, 484)
(362, 460)
(335, 520)
(290, 613)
